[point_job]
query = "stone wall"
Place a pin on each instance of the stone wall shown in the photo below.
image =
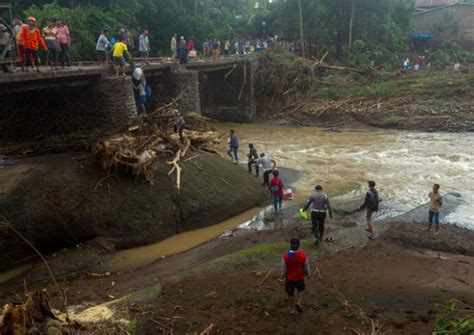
(176, 84)
(102, 104)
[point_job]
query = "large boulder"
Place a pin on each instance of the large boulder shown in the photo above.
(451, 202)
(58, 200)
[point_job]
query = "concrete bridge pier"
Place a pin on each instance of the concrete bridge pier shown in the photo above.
(182, 86)
(115, 101)
(227, 94)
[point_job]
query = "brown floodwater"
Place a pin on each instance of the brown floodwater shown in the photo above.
(142, 256)
(404, 165)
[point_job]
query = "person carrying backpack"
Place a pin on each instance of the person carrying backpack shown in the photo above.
(372, 204)
(276, 188)
(320, 205)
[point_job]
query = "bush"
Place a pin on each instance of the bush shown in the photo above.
(450, 53)
(84, 22)
(450, 322)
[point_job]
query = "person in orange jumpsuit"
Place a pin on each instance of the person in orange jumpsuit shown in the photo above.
(31, 38)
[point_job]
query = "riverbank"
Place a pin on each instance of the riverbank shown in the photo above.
(396, 286)
(429, 100)
(63, 200)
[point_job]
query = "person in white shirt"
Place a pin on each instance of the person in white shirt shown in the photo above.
(144, 46)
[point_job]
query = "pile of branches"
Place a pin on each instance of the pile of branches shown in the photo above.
(284, 78)
(136, 149)
(34, 316)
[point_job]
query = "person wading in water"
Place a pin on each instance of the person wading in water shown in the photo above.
(294, 268)
(267, 167)
(320, 205)
(436, 201)
(372, 204)
(276, 188)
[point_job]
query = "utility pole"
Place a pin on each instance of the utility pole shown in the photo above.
(195, 7)
(351, 24)
(303, 53)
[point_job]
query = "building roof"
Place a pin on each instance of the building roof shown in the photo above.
(434, 3)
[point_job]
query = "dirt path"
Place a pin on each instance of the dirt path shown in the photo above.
(397, 288)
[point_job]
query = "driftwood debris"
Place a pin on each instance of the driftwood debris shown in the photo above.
(34, 316)
(135, 151)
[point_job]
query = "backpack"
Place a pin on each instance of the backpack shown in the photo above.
(373, 201)
(275, 187)
(148, 90)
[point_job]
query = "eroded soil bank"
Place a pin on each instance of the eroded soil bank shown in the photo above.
(58, 201)
(394, 282)
(296, 90)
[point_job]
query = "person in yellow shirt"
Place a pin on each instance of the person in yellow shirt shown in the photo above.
(119, 52)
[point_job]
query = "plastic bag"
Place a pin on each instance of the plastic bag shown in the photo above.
(303, 214)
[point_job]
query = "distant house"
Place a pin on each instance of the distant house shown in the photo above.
(437, 21)
(424, 5)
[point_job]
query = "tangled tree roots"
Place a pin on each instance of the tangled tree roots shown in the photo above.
(139, 147)
(32, 317)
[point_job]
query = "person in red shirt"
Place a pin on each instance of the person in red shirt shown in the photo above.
(294, 268)
(190, 45)
(31, 38)
(276, 188)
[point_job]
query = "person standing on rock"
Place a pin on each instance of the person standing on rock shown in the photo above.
(320, 206)
(266, 162)
(179, 124)
(277, 187)
(233, 146)
(294, 268)
(252, 157)
(436, 201)
(371, 203)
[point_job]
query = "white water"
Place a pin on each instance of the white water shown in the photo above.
(404, 164)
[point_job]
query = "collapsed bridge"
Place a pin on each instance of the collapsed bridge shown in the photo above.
(89, 97)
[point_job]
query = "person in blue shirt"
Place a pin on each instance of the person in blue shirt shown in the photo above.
(233, 146)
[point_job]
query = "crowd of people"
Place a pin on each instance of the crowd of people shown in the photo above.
(111, 47)
(294, 263)
(54, 39)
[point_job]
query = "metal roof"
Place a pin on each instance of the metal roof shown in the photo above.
(434, 3)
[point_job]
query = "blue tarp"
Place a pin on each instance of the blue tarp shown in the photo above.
(416, 36)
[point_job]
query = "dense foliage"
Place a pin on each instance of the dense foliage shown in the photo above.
(355, 31)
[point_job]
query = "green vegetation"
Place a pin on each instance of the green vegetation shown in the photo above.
(431, 85)
(454, 321)
(377, 28)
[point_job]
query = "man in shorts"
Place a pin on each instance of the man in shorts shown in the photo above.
(119, 51)
(371, 202)
(294, 268)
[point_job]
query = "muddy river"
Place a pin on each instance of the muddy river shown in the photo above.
(404, 164)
